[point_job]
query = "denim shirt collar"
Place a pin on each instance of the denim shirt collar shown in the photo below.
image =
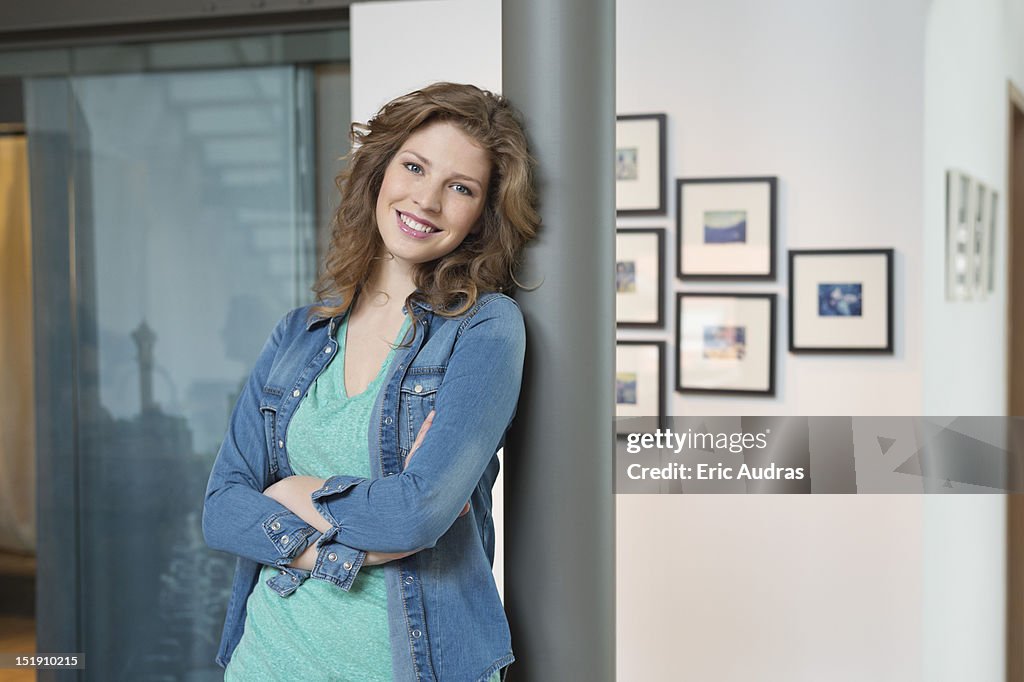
(335, 321)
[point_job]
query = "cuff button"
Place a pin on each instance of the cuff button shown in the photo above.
(276, 525)
(332, 557)
(284, 539)
(347, 565)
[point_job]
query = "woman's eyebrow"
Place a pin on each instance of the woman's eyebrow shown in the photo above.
(424, 161)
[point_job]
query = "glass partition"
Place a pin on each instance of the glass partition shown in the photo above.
(185, 201)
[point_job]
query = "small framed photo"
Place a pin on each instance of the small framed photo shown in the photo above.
(841, 301)
(725, 228)
(640, 164)
(725, 343)
(639, 385)
(639, 278)
(970, 237)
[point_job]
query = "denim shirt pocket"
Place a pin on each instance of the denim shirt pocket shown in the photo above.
(416, 399)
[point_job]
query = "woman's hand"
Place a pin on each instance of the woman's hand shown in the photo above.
(294, 492)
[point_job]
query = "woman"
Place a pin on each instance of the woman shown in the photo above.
(358, 466)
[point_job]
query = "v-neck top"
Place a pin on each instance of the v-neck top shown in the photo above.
(320, 626)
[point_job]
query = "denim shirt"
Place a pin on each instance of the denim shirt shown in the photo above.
(445, 616)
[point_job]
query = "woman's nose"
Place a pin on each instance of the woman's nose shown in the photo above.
(429, 197)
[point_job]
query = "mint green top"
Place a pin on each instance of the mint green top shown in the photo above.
(319, 631)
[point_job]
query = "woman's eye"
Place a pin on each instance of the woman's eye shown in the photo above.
(462, 189)
(413, 167)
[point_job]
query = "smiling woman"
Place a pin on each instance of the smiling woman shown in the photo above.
(432, 194)
(355, 479)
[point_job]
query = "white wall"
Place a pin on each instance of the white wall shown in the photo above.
(398, 47)
(972, 47)
(776, 588)
(828, 97)
(968, 57)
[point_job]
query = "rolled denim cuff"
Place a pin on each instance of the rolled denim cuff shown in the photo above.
(289, 534)
(335, 562)
(287, 580)
(332, 488)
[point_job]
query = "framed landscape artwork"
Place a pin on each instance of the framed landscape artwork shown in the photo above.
(640, 164)
(725, 343)
(639, 278)
(841, 301)
(725, 228)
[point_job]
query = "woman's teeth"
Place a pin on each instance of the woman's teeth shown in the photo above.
(418, 226)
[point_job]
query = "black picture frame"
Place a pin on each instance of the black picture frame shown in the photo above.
(798, 302)
(659, 321)
(770, 337)
(653, 209)
(662, 416)
(770, 220)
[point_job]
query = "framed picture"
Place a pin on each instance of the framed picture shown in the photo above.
(970, 237)
(640, 164)
(725, 343)
(639, 278)
(841, 301)
(639, 386)
(994, 203)
(725, 228)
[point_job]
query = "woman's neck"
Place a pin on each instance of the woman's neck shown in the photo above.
(388, 286)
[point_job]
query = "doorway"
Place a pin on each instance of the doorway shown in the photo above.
(17, 443)
(1015, 383)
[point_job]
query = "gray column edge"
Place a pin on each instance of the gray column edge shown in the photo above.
(558, 61)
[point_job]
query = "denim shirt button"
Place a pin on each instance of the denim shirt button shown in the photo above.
(418, 388)
(332, 557)
(347, 565)
(387, 420)
(296, 393)
(327, 349)
(284, 539)
(409, 580)
(276, 525)
(280, 443)
(416, 634)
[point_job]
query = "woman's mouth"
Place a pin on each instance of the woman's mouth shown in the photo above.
(413, 227)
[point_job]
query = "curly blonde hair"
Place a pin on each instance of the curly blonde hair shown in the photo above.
(486, 259)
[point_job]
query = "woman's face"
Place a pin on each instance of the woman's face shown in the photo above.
(433, 193)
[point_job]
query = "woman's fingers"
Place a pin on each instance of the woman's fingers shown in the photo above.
(420, 436)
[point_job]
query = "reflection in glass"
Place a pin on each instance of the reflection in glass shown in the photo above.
(193, 235)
